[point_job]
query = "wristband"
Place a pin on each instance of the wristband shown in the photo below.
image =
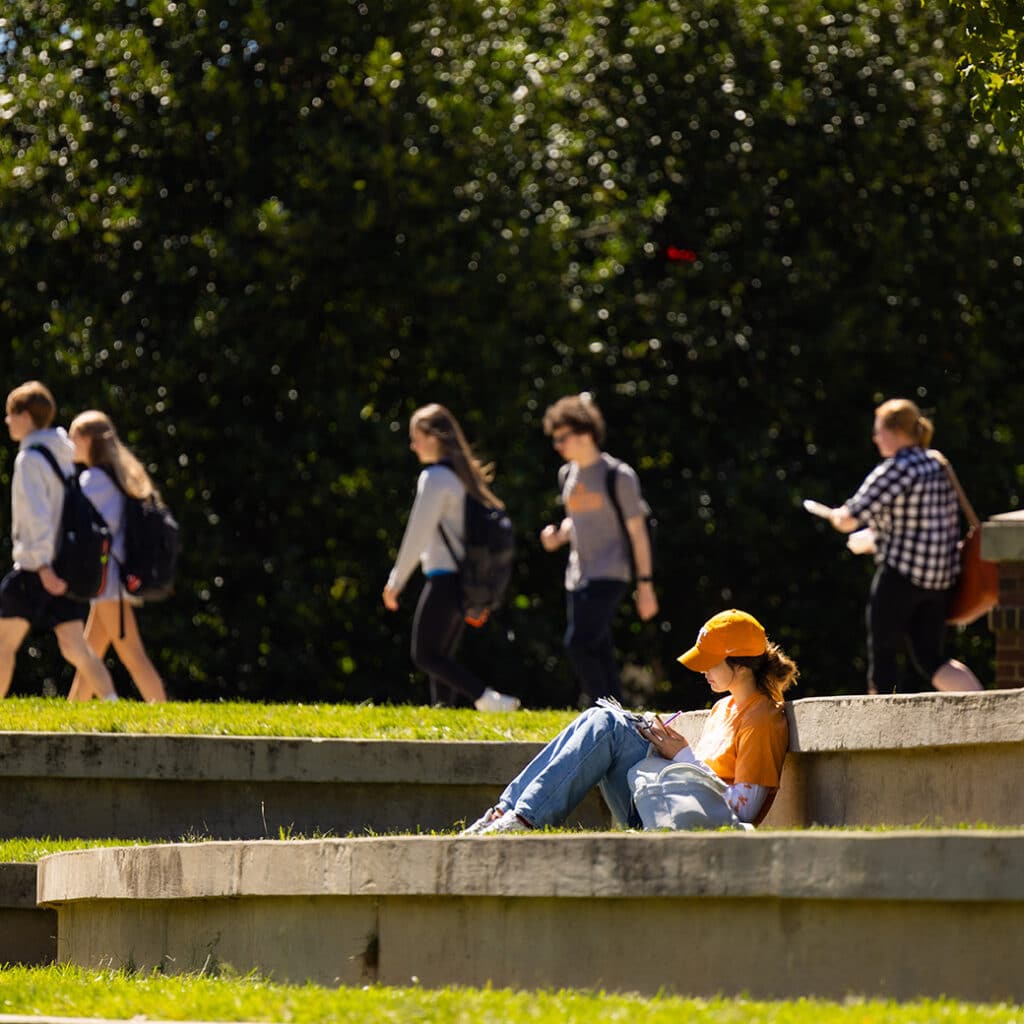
(645, 579)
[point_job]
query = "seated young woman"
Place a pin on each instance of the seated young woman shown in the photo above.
(743, 744)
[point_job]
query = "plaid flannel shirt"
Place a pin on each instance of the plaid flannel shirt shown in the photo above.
(911, 505)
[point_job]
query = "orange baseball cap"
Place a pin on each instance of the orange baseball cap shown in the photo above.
(727, 634)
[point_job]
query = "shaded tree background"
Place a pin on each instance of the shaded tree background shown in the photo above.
(992, 64)
(260, 236)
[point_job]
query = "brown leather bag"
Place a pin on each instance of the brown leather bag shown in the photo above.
(977, 590)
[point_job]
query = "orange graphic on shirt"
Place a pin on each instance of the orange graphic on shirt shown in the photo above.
(584, 500)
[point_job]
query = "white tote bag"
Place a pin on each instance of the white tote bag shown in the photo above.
(677, 795)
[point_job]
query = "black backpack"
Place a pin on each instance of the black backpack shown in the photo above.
(151, 547)
(486, 568)
(649, 519)
(83, 552)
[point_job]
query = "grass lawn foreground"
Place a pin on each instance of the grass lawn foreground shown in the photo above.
(72, 992)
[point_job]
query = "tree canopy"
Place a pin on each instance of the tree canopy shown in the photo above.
(992, 64)
(260, 234)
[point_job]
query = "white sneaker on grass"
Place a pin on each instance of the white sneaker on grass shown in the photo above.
(491, 814)
(508, 822)
(491, 700)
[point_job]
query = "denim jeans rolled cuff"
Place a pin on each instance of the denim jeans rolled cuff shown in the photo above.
(597, 748)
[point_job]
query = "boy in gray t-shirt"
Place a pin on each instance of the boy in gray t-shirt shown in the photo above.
(604, 550)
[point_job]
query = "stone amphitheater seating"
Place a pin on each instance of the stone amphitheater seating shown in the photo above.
(899, 913)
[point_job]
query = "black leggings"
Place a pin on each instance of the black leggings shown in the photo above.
(900, 612)
(436, 631)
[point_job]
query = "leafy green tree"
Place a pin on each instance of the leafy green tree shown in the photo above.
(261, 234)
(992, 64)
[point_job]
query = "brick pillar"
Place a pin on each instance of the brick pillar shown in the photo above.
(1002, 541)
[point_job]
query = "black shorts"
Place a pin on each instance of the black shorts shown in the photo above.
(23, 596)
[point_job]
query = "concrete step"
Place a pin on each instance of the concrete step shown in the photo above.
(895, 914)
(28, 933)
(942, 759)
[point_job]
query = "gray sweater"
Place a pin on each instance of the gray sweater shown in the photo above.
(440, 501)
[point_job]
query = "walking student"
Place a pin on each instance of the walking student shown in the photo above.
(450, 472)
(608, 548)
(32, 595)
(911, 505)
(112, 473)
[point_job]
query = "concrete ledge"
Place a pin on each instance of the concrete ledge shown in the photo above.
(1002, 537)
(940, 759)
(28, 934)
(907, 721)
(910, 759)
(255, 758)
(170, 787)
(838, 910)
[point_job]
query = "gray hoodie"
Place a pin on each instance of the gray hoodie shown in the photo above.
(37, 498)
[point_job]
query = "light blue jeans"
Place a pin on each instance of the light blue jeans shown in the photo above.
(597, 749)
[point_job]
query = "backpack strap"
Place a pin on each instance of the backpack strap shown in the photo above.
(448, 544)
(51, 459)
(611, 482)
(120, 584)
(112, 477)
(444, 535)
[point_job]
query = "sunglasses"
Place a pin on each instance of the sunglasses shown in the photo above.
(561, 437)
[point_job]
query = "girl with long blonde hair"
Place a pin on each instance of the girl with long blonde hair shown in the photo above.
(112, 472)
(450, 472)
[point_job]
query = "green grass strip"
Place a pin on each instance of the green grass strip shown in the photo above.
(244, 718)
(73, 992)
(28, 851)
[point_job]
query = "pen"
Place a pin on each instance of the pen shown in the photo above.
(671, 718)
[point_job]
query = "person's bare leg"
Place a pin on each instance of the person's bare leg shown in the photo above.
(955, 676)
(74, 649)
(12, 633)
(98, 638)
(132, 651)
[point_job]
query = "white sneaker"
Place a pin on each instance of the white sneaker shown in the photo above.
(491, 700)
(491, 814)
(508, 822)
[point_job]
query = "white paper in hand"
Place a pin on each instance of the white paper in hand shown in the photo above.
(816, 508)
(862, 542)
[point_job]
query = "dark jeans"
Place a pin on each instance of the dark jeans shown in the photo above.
(899, 613)
(588, 637)
(436, 631)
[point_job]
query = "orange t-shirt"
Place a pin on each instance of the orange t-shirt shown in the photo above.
(745, 742)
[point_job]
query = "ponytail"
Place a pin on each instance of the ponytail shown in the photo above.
(903, 416)
(774, 671)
